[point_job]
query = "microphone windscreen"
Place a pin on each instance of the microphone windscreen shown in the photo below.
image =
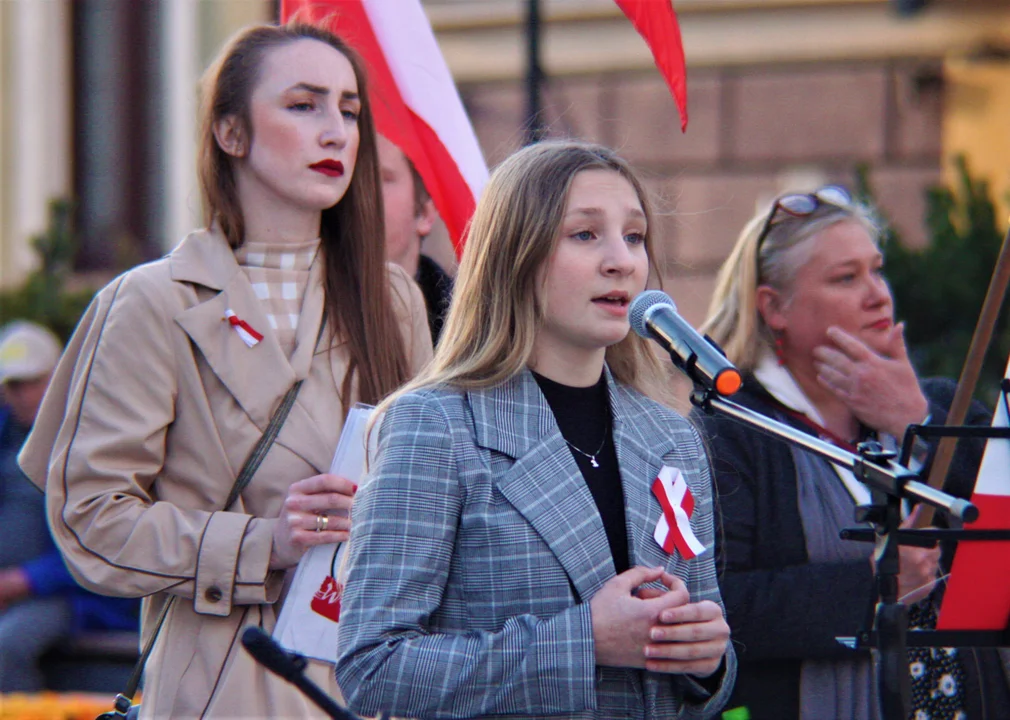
(267, 652)
(644, 302)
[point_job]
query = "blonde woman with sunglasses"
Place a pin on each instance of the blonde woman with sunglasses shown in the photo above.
(803, 308)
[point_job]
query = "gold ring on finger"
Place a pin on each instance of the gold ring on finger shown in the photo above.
(322, 522)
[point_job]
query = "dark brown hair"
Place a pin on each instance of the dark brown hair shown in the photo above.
(359, 305)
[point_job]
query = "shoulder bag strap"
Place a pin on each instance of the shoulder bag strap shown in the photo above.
(249, 468)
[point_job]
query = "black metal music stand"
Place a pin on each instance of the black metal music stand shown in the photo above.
(892, 641)
(890, 483)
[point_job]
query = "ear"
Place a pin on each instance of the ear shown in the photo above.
(771, 307)
(230, 136)
(425, 219)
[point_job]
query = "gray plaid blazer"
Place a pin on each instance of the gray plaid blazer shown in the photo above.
(477, 545)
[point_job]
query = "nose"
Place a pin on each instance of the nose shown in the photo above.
(334, 132)
(618, 257)
(878, 292)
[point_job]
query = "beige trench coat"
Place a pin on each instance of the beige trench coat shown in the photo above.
(149, 417)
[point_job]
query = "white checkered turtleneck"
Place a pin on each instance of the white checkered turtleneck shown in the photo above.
(279, 274)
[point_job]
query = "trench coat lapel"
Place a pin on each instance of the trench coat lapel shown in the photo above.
(544, 484)
(259, 376)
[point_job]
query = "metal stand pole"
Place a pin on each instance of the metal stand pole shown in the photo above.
(890, 483)
(535, 129)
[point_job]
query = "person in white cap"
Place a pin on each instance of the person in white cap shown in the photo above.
(28, 354)
(40, 604)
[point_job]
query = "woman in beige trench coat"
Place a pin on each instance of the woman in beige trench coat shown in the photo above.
(160, 398)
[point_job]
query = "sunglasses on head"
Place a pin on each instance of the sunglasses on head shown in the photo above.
(800, 205)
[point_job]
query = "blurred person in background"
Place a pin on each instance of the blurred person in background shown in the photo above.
(40, 603)
(180, 365)
(410, 215)
(802, 307)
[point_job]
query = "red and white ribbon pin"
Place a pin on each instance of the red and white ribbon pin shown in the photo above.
(245, 331)
(674, 527)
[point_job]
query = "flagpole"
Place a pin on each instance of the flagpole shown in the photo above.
(966, 383)
(534, 75)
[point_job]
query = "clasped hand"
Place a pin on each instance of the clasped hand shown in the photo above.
(298, 525)
(659, 630)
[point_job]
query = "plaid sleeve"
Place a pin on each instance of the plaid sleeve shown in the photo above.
(391, 657)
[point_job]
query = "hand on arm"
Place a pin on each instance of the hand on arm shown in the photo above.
(328, 496)
(881, 389)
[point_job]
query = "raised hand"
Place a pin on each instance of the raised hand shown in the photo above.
(880, 389)
(316, 511)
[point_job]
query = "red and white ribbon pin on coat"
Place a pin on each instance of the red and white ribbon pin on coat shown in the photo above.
(245, 331)
(674, 527)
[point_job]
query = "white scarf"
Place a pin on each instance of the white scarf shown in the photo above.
(782, 386)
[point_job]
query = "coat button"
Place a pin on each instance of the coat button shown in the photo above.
(213, 594)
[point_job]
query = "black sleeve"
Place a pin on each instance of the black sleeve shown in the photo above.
(778, 604)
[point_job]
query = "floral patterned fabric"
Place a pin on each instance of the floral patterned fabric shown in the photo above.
(937, 673)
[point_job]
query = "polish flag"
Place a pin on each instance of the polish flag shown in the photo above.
(414, 100)
(674, 527)
(978, 590)
(656, 21)
(245, 331)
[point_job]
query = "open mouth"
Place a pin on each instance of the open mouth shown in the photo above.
(614, 300)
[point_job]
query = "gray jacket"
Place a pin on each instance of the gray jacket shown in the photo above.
(477, 546)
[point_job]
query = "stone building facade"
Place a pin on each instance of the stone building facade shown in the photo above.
(783, 94)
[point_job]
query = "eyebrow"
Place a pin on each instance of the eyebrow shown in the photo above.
(596, 212)
(320, 90)
(855, 262)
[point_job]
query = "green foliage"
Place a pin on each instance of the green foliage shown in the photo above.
(44, 297)
(939, 289)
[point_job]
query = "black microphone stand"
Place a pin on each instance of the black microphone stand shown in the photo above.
(889, 483)
(291, 666)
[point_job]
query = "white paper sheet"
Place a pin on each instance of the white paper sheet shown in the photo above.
(300, 628)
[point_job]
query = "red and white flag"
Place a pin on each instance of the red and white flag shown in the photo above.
(978, 591)
(656, 21)
(245, 331)
(414, 100)
(674, 527)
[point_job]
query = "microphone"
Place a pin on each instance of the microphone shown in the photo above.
(290, 666)
(653, 315)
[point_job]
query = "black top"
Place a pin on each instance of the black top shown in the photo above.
(436, 286)
(583, 416)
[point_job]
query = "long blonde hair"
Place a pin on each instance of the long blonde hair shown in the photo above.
(734, 321)
(496, 310)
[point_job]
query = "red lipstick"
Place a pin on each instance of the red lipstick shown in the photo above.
(329, 168)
